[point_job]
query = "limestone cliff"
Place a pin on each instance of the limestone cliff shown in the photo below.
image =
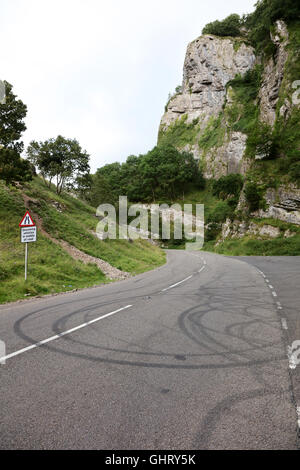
(233, 109)
(210, 63)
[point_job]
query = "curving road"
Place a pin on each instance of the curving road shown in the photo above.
(189, 356)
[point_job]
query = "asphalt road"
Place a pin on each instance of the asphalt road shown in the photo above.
(198, 364)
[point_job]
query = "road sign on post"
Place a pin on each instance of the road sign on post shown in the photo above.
(28, 235)
(27, 221)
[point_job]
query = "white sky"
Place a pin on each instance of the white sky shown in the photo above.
(100, 71)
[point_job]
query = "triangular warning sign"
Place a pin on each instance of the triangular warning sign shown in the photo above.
(27, 221)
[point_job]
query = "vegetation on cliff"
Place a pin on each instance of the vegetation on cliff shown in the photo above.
(271, 156)
(256, 26)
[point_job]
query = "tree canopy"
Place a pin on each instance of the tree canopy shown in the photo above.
(12, 114)
(230, 26)
(61, 160)
(163, 172)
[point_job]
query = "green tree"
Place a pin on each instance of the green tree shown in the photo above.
(60, 159)
(12, 114)
(226, 186)
(230, 26)
(112, 174)
(166, 172)
(132, 183)
(265, 14)
(163, 172)
(253, 196)
(100, 191)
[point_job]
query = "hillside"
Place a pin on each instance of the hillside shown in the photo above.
(67, 254)
(237, 111)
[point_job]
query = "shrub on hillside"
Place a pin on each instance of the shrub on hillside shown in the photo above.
(227, 186)
(253, 196)
(220, 213)
(263, 142)
(230, 26)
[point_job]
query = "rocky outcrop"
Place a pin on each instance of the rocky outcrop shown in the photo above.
(220, 117)
(210, 63)
(228, 158)
(273, 76)
(283, 204)
(237, 229)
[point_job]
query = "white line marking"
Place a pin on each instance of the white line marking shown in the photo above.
(200, 270)
(292, 364)
(271, 287)
(52, 338)
(267, 280)
(298, 414)
(274, 293)
(284, 324)
(279, 305)
(177, 283)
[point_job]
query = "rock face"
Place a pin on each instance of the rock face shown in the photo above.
(210, 63)
(283, 204)
(228, 158)
(237, 229)
(212, 119)
(273, 76)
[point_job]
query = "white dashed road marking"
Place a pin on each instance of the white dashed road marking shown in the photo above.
(183, 280)
(177, 283)
(298, 414)
(52, 338)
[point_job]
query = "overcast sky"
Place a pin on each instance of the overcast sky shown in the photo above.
(100, 71)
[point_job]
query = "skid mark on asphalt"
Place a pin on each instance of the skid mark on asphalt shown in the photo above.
(59, 335)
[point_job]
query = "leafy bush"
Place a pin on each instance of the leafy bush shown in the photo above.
(213, 134)
(263, 142)
(220, 213)
(294, 172)
(253, 196)
(164, 172)
(230, 26)
(229, 185)
(180, 133)
(266, 13)
(248, 84)
(212, 230)
(243, 113)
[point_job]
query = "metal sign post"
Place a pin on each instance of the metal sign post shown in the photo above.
(28, 235)
(26, 260)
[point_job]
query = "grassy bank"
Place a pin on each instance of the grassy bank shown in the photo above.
(51, 269)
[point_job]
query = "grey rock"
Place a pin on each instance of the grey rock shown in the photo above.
(273, 76)
(209, 64)
(238, 229)
(283, 204)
